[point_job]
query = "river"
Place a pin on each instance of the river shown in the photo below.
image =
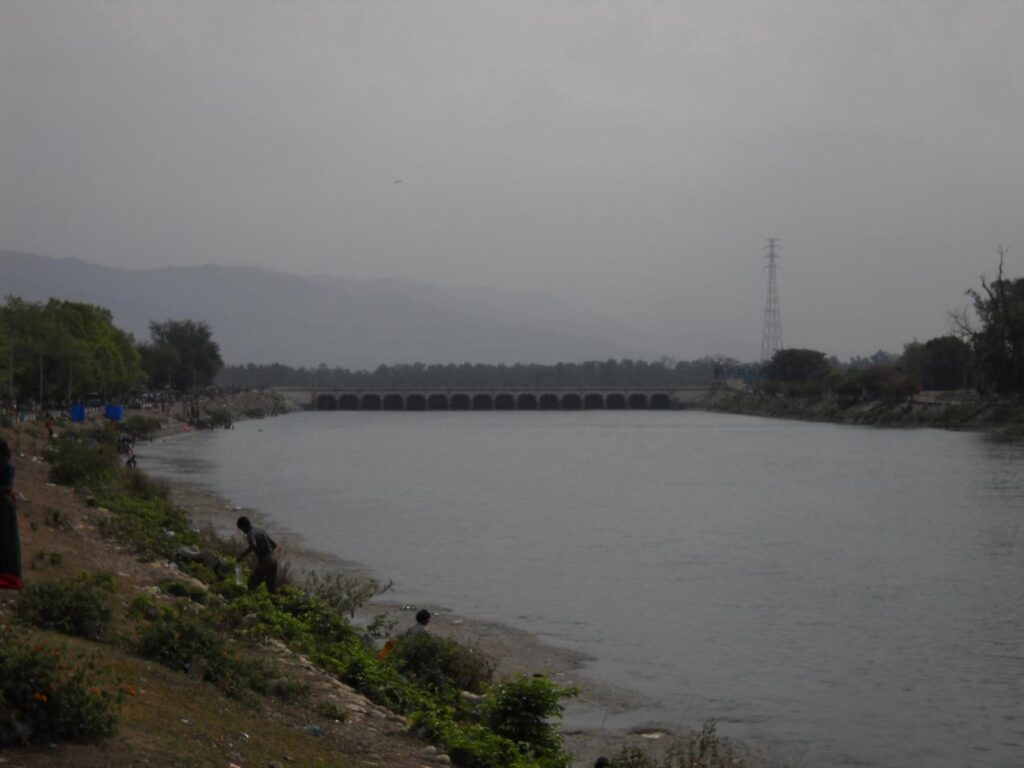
(848, 596)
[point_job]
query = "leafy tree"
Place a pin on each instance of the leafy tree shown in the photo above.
(181, 354)
(64, 349)
(998, 345)
(792, 365)
(939, 363)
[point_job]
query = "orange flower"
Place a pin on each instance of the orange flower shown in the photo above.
(39, 696)
(95, 690)
(131, 690)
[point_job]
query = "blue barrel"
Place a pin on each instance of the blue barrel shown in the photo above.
(114, 412)
(78, 412)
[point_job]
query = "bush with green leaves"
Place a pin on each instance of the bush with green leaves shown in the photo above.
(154, 526)
(143, 424)
(441, 664)
(77, 458)
(527, 710)
(74, 606)
(45, 696)
(189, 642)
(182, 642)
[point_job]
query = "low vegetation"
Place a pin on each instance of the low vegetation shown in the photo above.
(702, 748)
(77, 606)
(50, 696)
(215, 630)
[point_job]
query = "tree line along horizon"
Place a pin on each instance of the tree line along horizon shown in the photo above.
(60, 351)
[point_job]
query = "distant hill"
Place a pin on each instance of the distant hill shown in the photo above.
(263, 316)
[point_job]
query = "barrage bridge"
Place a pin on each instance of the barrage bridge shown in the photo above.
(493, 399)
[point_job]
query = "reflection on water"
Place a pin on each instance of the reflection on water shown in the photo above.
(854, 595)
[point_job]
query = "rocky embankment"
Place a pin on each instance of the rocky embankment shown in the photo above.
(1004, 416)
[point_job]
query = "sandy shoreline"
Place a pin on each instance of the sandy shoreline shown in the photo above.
(512, 650)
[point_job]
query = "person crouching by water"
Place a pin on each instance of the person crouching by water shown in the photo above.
(10, 541)
(419, 628)
(265, 571)
(422, 619)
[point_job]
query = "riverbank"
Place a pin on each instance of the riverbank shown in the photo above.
(1005, 417)
(511, 650)
(175, 719)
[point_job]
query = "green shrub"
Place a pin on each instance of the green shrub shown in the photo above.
(142, 424)
(75, 461)
(526, 710)
(153, 526)
(183, 642)
(331, 711)
(471, 745)
(192, 644)
(441, 664)
(145, 607)
(49, 698)
(218, 417)
(55, 518)
(76, 606)
(142, 486)
(180, 589)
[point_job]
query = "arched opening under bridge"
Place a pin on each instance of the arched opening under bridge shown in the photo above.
(615, 402)
(348, 403)
(482, 402)
(370, 402)
(326, 402)
(415, 403)
(638, 401)
(504, 402)
(459, 402)
(437, 402)
(660, 401)
(571, 402)
(548, 402)
(526, 402)
(393, 402)
(593, 402)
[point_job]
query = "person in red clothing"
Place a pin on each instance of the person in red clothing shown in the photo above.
(10, 541)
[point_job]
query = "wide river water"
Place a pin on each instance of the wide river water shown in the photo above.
(847, 596)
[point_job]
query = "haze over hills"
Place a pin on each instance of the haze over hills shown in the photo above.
(262, 316)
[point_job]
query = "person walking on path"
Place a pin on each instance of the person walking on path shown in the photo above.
(10, 541)
(265, 571)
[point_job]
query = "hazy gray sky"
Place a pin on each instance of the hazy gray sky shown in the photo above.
(628, 156)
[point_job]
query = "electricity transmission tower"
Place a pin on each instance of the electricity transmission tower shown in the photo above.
(771, 333)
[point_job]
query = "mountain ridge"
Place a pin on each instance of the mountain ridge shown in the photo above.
(264, 315)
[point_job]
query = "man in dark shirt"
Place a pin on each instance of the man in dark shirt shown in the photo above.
(266, 563)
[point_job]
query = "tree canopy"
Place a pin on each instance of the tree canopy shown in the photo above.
(65, 349)
(595, 373)
(998, 344)
(180, 354)
(791, 365)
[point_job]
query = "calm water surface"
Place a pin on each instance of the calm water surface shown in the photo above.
(852, 596)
